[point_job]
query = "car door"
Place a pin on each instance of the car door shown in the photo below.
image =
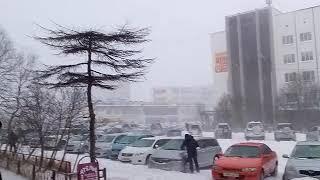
(211, 150)
(202, 152)
(268, 159)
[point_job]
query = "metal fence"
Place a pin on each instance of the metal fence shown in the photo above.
(28, 166)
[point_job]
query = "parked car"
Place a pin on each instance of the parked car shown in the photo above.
(254, 131)
(174, 132)
(170, 156)
(125, 141)
(78, 144)
(284, 132)
(54, 142)
(304, 161)
(194, 129)
(104, 144)
(314, 134)
(140, 151)
(156, 129)
(249, 161)
(223, 131)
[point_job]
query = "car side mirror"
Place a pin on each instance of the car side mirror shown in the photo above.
(156, 146)
(286, 156)
(218, 156)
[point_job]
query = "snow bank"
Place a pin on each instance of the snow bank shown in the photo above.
(7, 175)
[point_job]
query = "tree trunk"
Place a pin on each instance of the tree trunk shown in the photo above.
(90, 107)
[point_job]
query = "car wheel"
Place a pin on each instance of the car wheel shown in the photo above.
(262, 175)
(275, 171)
(148, 159)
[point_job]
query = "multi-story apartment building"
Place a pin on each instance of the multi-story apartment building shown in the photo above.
(266, 49)
(296, 45)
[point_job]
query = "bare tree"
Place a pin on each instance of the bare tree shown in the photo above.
(19, 80)
(37, 112)
(299, 94)
(8, 62)
(110, 57)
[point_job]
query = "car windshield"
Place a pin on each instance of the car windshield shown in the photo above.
(252, 125)
(117, 140)
(128, 139)
(106, 139)
(306, 151)
(284, 126)
(174, 133)
(77, 138)
(174, 144)
(243, 151)
(223, 126)
(143, 143)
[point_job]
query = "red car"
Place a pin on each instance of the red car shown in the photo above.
(246, 161)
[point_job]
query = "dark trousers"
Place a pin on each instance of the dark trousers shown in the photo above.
(193, 158)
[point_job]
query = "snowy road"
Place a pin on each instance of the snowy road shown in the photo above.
(122, 171)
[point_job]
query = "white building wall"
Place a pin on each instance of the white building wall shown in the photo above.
(220, 79)
(295, 23)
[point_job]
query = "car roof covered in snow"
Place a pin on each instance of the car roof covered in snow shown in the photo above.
(254, 122)
(254, 144)
(162, 137)
(310, 143)
(284, 123)
(223, 124)
(115, 134)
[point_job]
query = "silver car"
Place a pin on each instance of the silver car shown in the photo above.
(78, 144)
(254, 131)
(284, 132)
(170, 156)
(314, 134)
(104, 144)
(223, 131)
(304, 161)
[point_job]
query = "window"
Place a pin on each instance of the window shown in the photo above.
(307, 56)
(266, 149)
(289, 58)
(305, 36)
(205, 143)
(161, 142)
(289, 77)
(308, 76)
(287, 39)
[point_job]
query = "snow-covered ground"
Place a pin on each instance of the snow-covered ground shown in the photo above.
(7, 175)
(123, 171)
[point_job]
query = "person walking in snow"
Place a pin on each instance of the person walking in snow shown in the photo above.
(191, 145)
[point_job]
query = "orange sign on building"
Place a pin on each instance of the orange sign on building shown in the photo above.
(221, 64)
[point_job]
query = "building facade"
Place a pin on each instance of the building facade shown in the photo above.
(220, 66)
(183, 95)
(297, 38)
(249, 44)
(148, 113)
(266, 50)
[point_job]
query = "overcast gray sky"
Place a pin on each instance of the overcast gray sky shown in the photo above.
(180, 30)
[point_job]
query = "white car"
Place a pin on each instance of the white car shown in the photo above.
(140, 151)
(254, 131)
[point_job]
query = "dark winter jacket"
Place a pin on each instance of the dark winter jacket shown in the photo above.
(190, 144)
